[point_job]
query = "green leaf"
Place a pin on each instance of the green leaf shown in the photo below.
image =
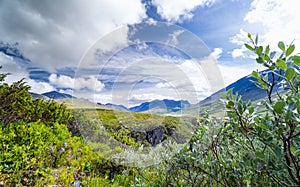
(296, 60)
(259, 154)
(255, 74)
(278, 107)
(289, 74)
(230, 104)
(298, 107)
(290, 50)
(251, 110)
(259, 60)
(267, 50)
(281, 64)
(249, 47)
(259, 50)
(256, 39)
(281, 46)
(262, 126)
(266, 57)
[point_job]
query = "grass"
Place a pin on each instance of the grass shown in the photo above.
(115, 121)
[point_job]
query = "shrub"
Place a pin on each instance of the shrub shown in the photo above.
(256, 144)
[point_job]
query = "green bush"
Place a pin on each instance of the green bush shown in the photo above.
(36, 143)
(31, 152)
(256, 144)
(17, 105)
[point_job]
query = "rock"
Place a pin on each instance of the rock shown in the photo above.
(155, 135)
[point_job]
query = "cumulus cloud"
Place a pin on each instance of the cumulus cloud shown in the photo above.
(39, 87)
(63, 81)
(273, 20)
(217, 53)
(178, 10)
(56, 34)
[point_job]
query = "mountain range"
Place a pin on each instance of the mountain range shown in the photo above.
(166, 105)
(245, 87)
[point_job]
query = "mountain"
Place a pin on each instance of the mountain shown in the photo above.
(246, 88)
(114, 106)
(161, 105)
(38, 96)
(57, 95)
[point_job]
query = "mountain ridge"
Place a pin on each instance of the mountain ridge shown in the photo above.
(165, 104)
(57, 95)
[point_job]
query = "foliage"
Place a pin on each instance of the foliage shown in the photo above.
(251, 147)
(17, 105)
(35, 153)
(37, 146)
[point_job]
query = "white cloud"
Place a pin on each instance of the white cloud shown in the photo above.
(217, 53)
(67, 91)
(240, 38)
(178, 10)
(273, 21)
(174, 36)
(56, 34)
(238, 53)
(102, 98)
(136, 99)
(233, 73)
(39, 87)
(197, 77)
(63, 81)
(163, 85)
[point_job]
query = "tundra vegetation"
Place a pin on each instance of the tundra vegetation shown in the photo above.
(255, 144)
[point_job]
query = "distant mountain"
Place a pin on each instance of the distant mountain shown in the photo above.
(57, 95)
(162, 105)
(114, 106)
(38, 96)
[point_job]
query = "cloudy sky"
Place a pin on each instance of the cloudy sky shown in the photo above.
(131, 51)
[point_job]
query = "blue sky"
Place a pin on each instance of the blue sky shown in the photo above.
(132, 51)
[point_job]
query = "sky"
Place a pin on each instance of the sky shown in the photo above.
(131, 51)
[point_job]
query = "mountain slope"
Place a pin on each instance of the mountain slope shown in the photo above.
(37, 96)
(245, 87)
(161, 105)
(115, 106)
(57, 95)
